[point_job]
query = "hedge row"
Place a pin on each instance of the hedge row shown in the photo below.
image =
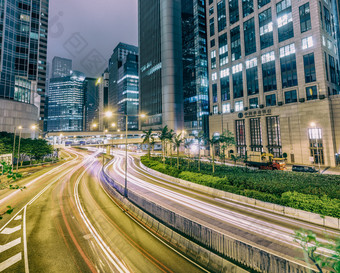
(309, 192)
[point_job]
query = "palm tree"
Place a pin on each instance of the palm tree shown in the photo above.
(170, 136)
(187, 145)
(235, 158)
(178, 140)
(213, 141)
(163, 135)
(152, 143)
(200, 137)
(147, 139)
(227, 139)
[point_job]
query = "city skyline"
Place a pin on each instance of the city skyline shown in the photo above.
(65, 31)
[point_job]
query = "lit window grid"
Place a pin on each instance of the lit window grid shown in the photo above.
(271, 57)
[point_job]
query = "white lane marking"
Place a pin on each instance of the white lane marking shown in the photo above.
(150, 232)
(10, 245)
(19, 217)
(249, 223)
(9, 262)
(8, 231)
(25, 242)
(36, 179)
(105, 248)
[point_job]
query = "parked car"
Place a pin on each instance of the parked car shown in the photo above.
(305, 169)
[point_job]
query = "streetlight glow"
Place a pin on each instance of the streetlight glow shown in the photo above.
(142, 115)
(94, 125)
(113, 124)
(20, 127)
(313, 124)
(108, 114)
(33, 127)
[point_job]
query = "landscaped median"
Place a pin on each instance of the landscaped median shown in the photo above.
(310, 192)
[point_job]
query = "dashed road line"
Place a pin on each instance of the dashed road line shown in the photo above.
(8, 231)
(10, 245)
(11, 261)
(19, 217)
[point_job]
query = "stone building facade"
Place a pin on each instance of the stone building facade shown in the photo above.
(274, 77)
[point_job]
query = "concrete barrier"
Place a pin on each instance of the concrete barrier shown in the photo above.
(210, 248)
(197, 253)
(310, 217)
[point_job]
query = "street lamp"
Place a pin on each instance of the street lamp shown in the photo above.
(109, 114)
(316, 131)
(15, 133)
(20, 128)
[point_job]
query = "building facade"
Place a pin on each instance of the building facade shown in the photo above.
(102, 86)
(66, 103)
(91, 103)
(61, 67)
(160, 66)
(174, 67)
(195, 67)
(274, 77)
(23, 50)
(123, 85)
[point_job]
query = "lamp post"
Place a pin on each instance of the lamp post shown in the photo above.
(109, 114)
(20, 128)
(15, 133)
(313, 124)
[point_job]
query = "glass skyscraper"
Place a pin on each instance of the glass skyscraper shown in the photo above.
(66, 103)
(61, 67)
(91, 103)
(123, 85)
(173, 64)
(23, 50)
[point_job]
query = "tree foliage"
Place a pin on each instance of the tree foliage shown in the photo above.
(310, 244)
(34, 148)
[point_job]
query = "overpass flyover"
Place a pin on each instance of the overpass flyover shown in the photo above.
(97, 139)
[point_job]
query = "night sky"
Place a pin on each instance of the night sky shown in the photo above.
(87, 31)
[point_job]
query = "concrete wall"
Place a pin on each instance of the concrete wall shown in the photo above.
(218, 243)
(14, 114)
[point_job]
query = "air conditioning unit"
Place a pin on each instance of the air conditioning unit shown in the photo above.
(280, 103)
(322, 97)
(261, 106)
(245, 108)
(302, 100)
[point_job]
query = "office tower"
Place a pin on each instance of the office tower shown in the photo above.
(160, 66)
(274, 77)
(61, 67)
(66, 103)
(195, 67)
(103, 93)
(23, 62)
(173, 64)
(123, 85)
(91, 103)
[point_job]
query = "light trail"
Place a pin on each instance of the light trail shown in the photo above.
(263, 228)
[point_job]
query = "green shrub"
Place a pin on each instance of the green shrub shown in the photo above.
(310, 192)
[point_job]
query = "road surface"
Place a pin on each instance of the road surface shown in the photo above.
(65, 222)
(258, 227)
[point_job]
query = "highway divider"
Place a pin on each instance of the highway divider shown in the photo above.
(310, 217)
(211, 249)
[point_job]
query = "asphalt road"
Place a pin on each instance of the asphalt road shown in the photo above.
(65, 222)
(257, 227)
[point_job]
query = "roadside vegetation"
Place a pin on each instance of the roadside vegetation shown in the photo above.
(310, 244)
(310, 192)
